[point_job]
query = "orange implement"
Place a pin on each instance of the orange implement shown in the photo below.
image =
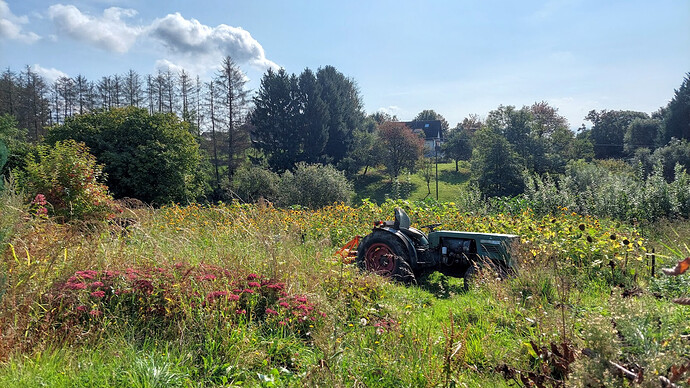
(348, 252)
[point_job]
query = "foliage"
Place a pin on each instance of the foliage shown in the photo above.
(13, 141)
(589, 188)
(153, 158)
(65, 181)
(495, 167)
(314, 186)
(642, 133)
(164, 308)
(677, 113)
(609, 130)
(458, 146)
(254, 182)
(310, 118)
(400, 148)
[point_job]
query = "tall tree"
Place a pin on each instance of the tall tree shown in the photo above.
(608, 132)
(133, 89)
(496, 169)
(401, 148)
(313, 123)
(345, 113)
(34, 107)
(275, 118)
(677, 117)
(642, 133)
(458, 145)
(232, 101)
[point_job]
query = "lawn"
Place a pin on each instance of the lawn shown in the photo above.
(377, 186)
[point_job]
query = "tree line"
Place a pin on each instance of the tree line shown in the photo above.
(317, 117)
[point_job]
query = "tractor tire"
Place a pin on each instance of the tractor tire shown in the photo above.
(468, 277)
(385, 255)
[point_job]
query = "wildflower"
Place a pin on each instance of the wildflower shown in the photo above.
(209, 276)
(40, 200)
(271, 311)
(95, 313)
(241, 312)
(276, 286)
(254, 284)
(252, 276)
(76, 286)
(81, 309)
(216, 295)
(283, 304)
(282, 323)
(301, 299)
(98, 294)
(88, 274)
(233, 297)
(248, 291)
(97, 284)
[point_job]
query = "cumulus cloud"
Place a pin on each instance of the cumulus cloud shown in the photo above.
(49, 74)
(11, 26)
(190, 37)
(108, 31)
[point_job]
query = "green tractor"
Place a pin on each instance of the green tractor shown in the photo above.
(395, 249)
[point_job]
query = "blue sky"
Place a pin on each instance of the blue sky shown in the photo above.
(457, 57)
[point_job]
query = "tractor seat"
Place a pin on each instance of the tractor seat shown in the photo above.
(402, 220)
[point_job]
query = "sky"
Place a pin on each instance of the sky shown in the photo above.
(457, 57)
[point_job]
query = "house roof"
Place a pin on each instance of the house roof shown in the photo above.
(431, 128)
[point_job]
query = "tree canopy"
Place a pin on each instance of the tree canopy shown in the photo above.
(151, 157)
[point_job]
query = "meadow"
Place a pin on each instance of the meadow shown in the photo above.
(251, 295)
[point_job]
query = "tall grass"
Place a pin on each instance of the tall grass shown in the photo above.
(182, 328)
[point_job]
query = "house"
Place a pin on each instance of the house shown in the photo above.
(432, 133)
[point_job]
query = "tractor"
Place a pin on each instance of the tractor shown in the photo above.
(395, 249)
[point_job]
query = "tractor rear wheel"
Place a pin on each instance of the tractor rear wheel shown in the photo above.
(384, 254)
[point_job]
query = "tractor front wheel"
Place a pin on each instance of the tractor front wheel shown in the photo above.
(384, 254)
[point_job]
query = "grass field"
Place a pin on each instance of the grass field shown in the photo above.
(378, 187)
(244, 295)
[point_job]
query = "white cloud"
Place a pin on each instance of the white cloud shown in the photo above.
(188, 37)
(50, 75)
(11, 26)
(108, 31)
(187, 42)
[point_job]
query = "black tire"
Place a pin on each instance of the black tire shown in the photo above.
(468, 277)
(384, 254)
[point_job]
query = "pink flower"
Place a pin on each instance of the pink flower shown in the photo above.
(301, 299)
(88, 274)
(76, 286)
(282, 323)
(81, 309)
(254, 284)
(97, 284)
(248, 291)
(283, 304)
(95, 313)
(98, 294)
(233, 297)
(252, 276)
(216, 295)
(40, 199)
(209, 276)
(241, 312)
(271, 311)
(276, 286)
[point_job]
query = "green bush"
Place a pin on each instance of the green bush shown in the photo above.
(150, 157)
(251, 183)
(63, 181)
(314, 186)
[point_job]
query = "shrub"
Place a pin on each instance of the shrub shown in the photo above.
(314, 186)
(63, 181)
(252, 183)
